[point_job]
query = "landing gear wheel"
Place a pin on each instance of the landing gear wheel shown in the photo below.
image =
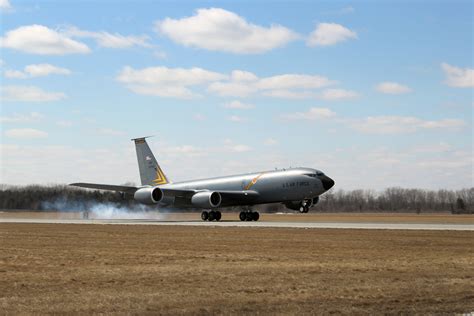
(302, 209)
(306, 209)
(249, 216)
(218, 215)
(243, 216)
(204, 215)
(212, 216)
(255, 216)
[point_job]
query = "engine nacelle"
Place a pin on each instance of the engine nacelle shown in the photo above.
(206, 199)
(148, 195)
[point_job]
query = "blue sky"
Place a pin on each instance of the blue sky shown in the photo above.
(374, 94)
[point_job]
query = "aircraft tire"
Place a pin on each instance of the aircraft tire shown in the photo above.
(302, 209)
(212, 216)
(255, 216)
(218, 215)
(249, 216)
(204, 215)
(243, 216)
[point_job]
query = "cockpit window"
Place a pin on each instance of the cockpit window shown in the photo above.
(314, 175)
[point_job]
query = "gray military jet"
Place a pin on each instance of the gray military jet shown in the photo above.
(297, 188)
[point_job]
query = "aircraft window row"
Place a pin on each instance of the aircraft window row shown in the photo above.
(312, 175)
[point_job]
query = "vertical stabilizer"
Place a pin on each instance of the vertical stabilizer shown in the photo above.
(150, 171)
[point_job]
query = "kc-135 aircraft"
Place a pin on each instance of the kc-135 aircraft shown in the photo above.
(297, 188)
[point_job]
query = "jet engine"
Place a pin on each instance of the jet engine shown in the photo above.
(148, 195)
(206, 199)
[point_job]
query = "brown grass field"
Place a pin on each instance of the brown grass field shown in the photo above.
(115, 269)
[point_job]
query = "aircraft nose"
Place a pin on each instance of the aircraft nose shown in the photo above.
(327, 182)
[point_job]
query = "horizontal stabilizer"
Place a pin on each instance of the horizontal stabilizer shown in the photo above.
(119, 188)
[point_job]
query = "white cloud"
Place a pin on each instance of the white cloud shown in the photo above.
(39, 39)
(36, 70)
(220, 30)
(458, 77)
(238, 105)
(15, 74)
(5, 6)
(270, 142)
(166, 82)
(236, 119)
(290, 86)
(29, 94)
(313, 113)
(289, 94)
(25, 133)
(327, 34)
(239, 148)
(288, 81)
(338, 94)
(403, 124)
(232, 89)
(392, 88)
(22, 118)
(109, 40)
(232, 147)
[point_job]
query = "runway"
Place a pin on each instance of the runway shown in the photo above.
(304, 225)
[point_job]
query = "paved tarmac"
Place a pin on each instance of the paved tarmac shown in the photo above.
(306, 225)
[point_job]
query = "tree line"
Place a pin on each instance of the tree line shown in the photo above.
(66, 198)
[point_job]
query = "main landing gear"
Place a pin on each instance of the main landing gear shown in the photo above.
(211, 216)
(249, 216)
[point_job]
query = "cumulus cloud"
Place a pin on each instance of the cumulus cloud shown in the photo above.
(238, 105)
(327, 34)
(181, 83)
(338, 94)
(403, 124)
(458, 77)
(5, 6)
(166, 82)
(22, 118)
(291, 86)
(36, 70)
(41, 40)
(109, 40)
(25, 133)
(221, 30)
(392, 88)
(29, 94)
(312, 114)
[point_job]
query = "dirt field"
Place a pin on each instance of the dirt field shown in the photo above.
(84, 269)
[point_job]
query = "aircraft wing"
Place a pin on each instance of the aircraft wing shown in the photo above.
(119, 188)
(228, 197)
